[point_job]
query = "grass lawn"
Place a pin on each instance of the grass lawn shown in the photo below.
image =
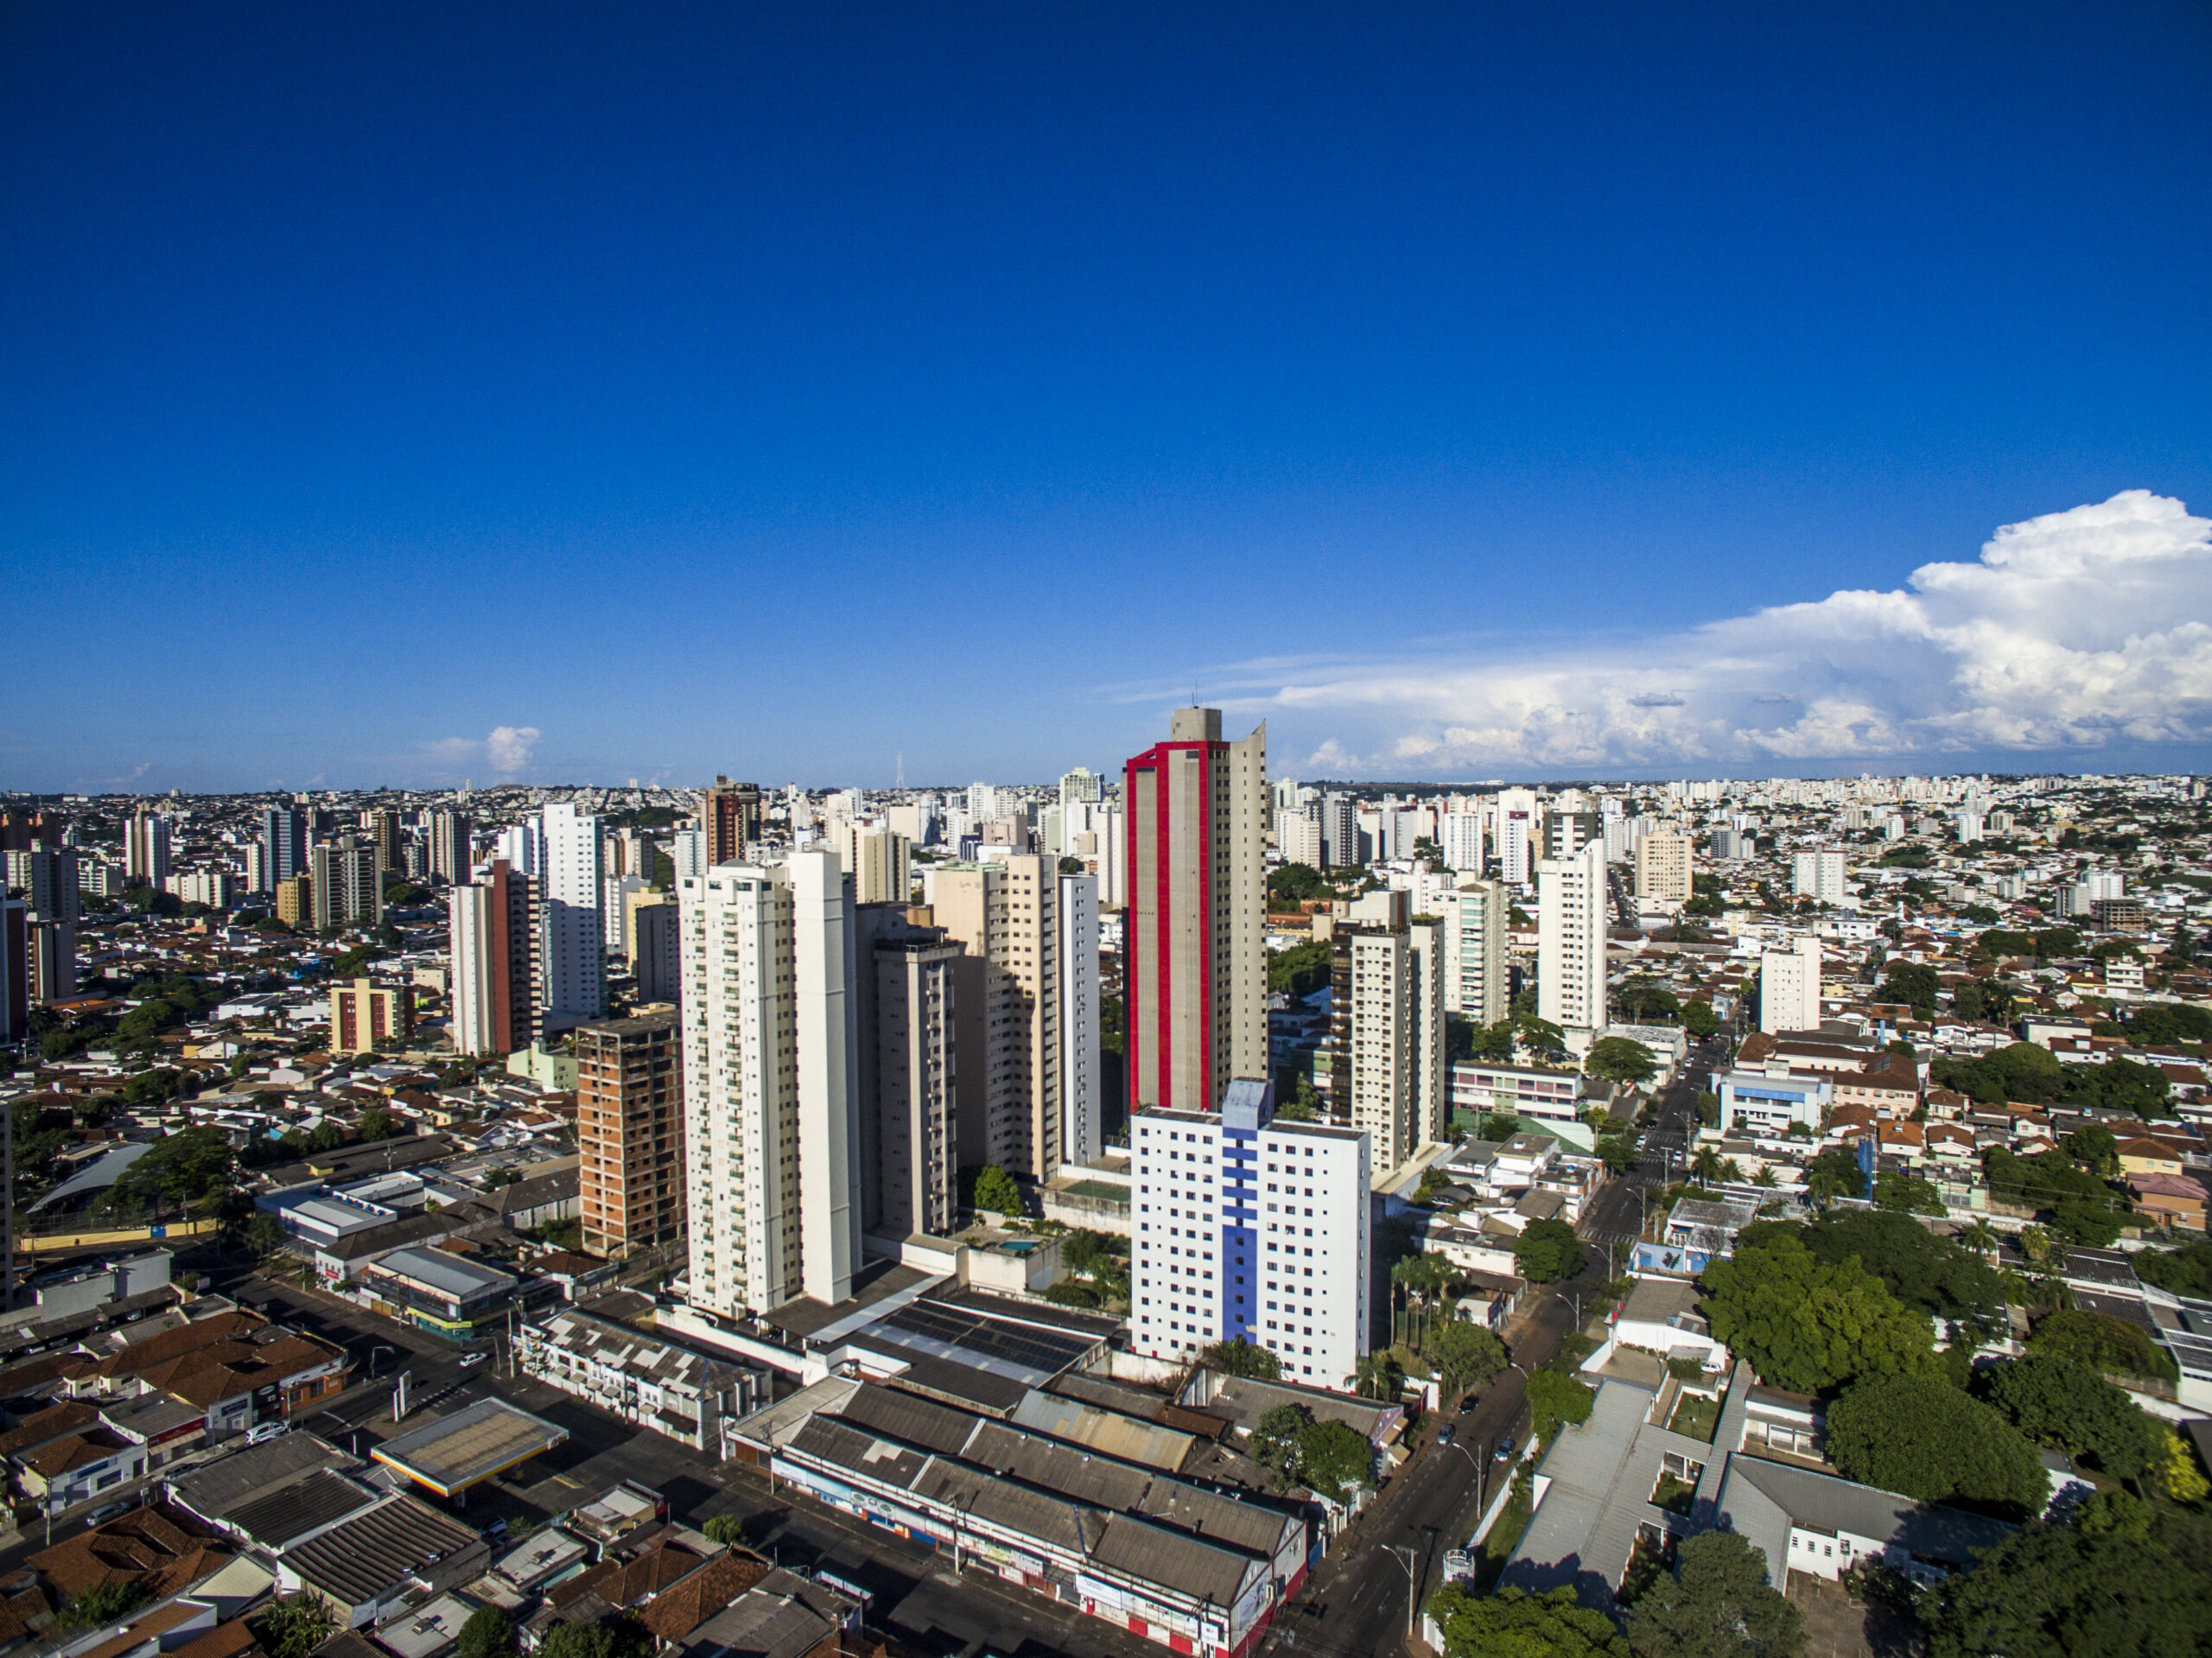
(1498, 1548)
(1696, 1417)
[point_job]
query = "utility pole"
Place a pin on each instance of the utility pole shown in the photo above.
(1413, 1583)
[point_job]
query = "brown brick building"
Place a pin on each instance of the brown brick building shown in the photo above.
(630, 1132)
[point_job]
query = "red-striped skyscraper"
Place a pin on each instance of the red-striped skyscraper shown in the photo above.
(1195, 812)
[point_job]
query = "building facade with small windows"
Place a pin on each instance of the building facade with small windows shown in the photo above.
(1244, 1226)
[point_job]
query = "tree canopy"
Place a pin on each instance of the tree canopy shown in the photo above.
(1921, 1436)
(2102, 1342)
(1514, 1621)
(487, 1633)
(1554, 1398)
(995, 1190)
(1717, 1604)
(1620, 1059)
(2185, 1271)
(2120, 1581)
(1932, 1274)
(188, 1166)
(1464, 1354)
(1243, 1358)
(2056, 1400)
(1806, 1324)
(1548, 1251)
(1301, 970)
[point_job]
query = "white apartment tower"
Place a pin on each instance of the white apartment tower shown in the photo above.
(1790, 986)
(1663, 868)
(1388, 1027)
(1516, 835)
(1007, 912)
(1081, 1105)
(572, 948)
(1571, 897)
(1477, 983)
(1246, 1226)
(769, 1068)
(1460, 836)
(1819, 876)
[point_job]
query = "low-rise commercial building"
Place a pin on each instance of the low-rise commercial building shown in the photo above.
(645, 1381)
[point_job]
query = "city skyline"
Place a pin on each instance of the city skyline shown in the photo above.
(720, 392)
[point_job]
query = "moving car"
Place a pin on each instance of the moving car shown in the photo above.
(467, 1359)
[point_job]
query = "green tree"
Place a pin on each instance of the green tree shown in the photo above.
(375, 1125)
(1501, 1126)
(1513, 1623)
(1921, 1436)
(2103, 1342)
(1555, 1398)
(2056, 1400)
(1906, 1194)
(1273, 1441)
(1717, 1604)
(294, 1626)
(1334, 1458)
(1380, 1377)
(1300, 970)
(1644, 1001)
(1806, 1324)
(1548, 1251)
(724, 1528)
(1295, 883)
(1243, 1358)
(1464, 1355)
(995, 1190)
(2121, 1581)
(2094, 1147)
(1699, 1019)
(2185, 1271)
(1933, 1274)
(188, 1166)
(490, 1632)
(1618, 1153)
(115, 1599)
(1620, 1059)
(265, 1234)
(1912, 983)
(622, 1636)
(1834, 1173)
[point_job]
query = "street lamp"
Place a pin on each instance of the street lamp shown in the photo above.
(374, 1351)
(1412, 1582)
(1481, 1474)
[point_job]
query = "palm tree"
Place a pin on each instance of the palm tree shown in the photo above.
(1764, 1177)
(1705, 1166)
(1980, 1236)
(2035, 1243)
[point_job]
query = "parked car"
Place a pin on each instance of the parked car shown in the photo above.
(1505, 1449)
(1444, 1434)
(108, 1511)
(261, 1432)
(467, 1359)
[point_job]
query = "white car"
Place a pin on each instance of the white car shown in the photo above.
(467, 1359)
(261, 1432)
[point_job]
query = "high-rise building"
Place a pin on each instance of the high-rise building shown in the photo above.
(875, 859)
(770, 1124)
(688, 853)
(347, 892)
(1006, 912)
(1790, 986)
(1571, 900)
(381, 827)
(14, 970)
(494, 930)
(1081, 1105)
(1663, 868)
(1517, 832)
(1248, 1226)
(451, 857)
(51, 952)
(1196, 946)
(913, 981)
(364, 1014)
(730, 815)
(654, 946)
(146, 850)
(1340, 835)
(630, 1134)
(522, 846)
(1566, 833)
(1476, 984)
(1081, 785)
(1297, 838)
(284, 843)
(1819, 876)
(1460, 836)
(47, 878)
(216, 888)
(1387, 1027)
(616, 893)
(296, 902)
(572, 946)
(258, 879)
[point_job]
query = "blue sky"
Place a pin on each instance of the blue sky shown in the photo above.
(711, 389)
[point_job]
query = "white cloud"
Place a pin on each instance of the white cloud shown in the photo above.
(508, 747)
(2073, 631)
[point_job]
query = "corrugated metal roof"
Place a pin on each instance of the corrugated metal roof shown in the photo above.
(1109, 1431)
